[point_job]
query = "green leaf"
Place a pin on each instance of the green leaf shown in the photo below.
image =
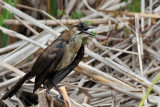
(6, 15)
(127, 31)
(53, 7)
(14, 5)
(135, 6)
(1, 20)
(77, 14)
(149, 90)
(59, 12)
(5, 11)
(88, 22)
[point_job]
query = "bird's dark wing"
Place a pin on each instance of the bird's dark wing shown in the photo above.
(50, 57)
(59, 75)
(45, 60)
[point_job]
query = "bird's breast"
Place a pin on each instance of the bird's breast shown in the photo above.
(69, 54)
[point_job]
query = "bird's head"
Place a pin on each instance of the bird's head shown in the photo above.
(81, 29)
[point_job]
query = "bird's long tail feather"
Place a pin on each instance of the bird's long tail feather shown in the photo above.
(17, 86)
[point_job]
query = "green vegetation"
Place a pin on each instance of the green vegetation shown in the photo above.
(52, 7)
(77, 14)
(135, 6)
(6, 15)
(1, 20)
(60, 12)
(88, 22)
(28, 59)
(127, 31)
(149, 90)
(93, 34)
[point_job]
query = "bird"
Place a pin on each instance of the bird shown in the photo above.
(56, 61)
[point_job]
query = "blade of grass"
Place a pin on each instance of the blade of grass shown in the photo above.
(14, 5)
(52, 6)
(5, 11)
(4, 37)
(1, 20)
(6, 15)
(1, 23)
(149, 90)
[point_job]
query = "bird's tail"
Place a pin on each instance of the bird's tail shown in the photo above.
(17, 86)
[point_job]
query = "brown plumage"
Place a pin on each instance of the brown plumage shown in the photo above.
(56, 61)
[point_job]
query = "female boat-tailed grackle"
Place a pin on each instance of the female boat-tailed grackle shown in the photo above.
(56, 61)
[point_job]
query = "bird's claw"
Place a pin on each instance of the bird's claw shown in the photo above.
(61, 101)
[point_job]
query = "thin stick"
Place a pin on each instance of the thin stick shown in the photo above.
(65, 96)
(26, 25)
(155, 16)
(139, 45)
(62, 21)
(20, 36)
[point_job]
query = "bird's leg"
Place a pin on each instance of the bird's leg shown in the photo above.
(61, 96)
(45, 86)
(61, 101)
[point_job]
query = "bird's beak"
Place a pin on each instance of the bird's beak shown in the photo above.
(87, 32)
(90, 27)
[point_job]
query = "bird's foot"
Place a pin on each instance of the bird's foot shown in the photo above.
(61, 101)
(59, 98)
(64, 101)
(54, 96)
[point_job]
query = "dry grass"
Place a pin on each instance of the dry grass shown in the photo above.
(120, 62)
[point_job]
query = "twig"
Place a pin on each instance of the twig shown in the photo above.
(20, 36)
(156, 16)
(63, 21)
(25, 24)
